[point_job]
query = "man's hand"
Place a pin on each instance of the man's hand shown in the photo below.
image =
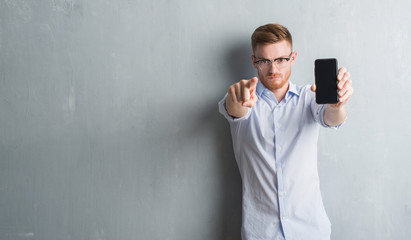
(241, 96)
(344, 87)
(335, 114)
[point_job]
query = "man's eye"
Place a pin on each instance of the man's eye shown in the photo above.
(281, 60)
(266, 61)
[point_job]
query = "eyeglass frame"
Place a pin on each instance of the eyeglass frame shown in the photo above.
(275, 60)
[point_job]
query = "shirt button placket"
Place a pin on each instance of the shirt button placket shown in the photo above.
(280, 173)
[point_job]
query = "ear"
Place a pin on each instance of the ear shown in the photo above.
(293, 58)
(253, 59)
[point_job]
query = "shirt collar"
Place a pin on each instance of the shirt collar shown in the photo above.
(292, 89)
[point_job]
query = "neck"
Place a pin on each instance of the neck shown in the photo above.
(281, 92)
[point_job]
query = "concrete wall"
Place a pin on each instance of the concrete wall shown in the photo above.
(109, 126)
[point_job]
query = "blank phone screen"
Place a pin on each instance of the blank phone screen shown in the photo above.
(326, 81)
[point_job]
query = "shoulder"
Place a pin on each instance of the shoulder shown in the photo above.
(305, 89)
(302, 91)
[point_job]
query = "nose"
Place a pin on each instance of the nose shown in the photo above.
(272, 67)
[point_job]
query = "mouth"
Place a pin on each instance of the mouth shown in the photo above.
(273, 77)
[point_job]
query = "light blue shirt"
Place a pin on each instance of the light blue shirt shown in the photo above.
(275, 146)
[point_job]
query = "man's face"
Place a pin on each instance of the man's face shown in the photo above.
(274, 76)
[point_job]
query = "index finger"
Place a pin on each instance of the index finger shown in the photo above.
(341, 72)
(252, 83)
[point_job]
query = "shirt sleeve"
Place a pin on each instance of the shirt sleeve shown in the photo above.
(223, 110)
(318, 111)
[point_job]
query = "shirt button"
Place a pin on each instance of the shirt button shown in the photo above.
(281, 194)
(280, 170)
(279, 148)
(283, 218)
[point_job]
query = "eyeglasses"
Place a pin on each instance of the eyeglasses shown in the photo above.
(265, 64)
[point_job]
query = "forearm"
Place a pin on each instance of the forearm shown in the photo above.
(334, 115)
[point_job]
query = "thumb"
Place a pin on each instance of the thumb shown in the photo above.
(313, 87)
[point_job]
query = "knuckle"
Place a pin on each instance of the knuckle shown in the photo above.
(233, 89)
(238, 88)
(234, 86)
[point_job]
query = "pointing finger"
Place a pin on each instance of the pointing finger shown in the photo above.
(253, 83)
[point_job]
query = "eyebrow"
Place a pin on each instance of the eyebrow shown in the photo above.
(284, 57)
(270, 59)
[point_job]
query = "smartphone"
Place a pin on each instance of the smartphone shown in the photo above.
(326, 81)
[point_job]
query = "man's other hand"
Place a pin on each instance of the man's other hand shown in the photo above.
(241, 95)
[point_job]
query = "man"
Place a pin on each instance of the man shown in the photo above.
(275, 125)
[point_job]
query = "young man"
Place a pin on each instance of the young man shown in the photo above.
(274, 126)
